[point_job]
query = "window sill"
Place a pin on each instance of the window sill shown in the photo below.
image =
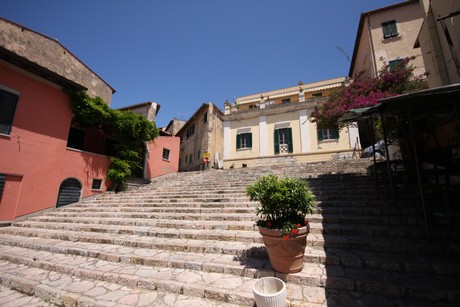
(166, 160)
(6, 136)
(328, 141)
(244, 149)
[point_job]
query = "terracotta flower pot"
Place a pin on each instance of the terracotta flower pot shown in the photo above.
(286, 255)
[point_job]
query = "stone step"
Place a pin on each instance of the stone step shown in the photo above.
(158, 215)
(355, 203)
(377, 244)
(195, 198)
(388, 231)
(83, 229)
(225, 210)
(430, 264)
(80, 288)
(237, 287)
(165, 203)
(316, 227)
(54, 269)
(369, 211)
(361, 218)
(21, 237)
(152, 222)
(12, 298)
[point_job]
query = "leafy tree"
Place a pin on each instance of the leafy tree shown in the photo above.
(130, 129)
(365, 92)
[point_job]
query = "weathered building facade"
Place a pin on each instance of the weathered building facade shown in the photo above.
(274, 128)
(439, 41)
(201, 140)
(386, 36)
(48, 160)
(44, 161)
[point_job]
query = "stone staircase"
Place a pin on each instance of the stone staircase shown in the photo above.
(189, 239)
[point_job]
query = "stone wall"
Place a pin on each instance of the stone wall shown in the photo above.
(50, 54)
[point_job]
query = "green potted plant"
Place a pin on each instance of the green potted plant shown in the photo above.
(284, 203)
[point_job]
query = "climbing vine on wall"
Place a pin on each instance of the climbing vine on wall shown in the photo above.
(128, 128)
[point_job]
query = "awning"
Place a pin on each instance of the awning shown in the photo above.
(355, 114)
(403, 103)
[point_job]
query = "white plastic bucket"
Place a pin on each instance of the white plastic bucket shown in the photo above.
(269, 292)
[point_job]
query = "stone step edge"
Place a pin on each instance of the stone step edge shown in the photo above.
(178, 233)
(316, 226)
(235, 296)
(198, 245)
(58, 297)
(216, 247)
(339, 283)
(152, 222)
(173, 261)
(439, 267)
(378, 243)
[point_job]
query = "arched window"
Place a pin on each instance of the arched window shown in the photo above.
(69, 192)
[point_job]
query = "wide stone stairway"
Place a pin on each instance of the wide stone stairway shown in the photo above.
(189, 239)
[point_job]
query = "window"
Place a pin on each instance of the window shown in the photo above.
(190, 159)
(97, 184)
(243, 140)
(165, 155)
(205, 117)
(287, 100)
(2, 184)
(190, 131)
(8, 102)
(283, 140)
(76, 138)
(252, 106)
(320, 94)
(328, 134)
(389, 29)
(198, 155)
(395, 63)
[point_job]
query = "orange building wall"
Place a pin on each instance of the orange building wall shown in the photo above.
(156, 165)
(35, 153)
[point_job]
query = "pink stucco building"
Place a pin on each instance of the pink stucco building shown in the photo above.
(45, 159)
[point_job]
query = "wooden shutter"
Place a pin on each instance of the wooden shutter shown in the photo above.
(276, 139)
(238, 141)
(320, 134)
(335, 132)
(392, 28)
(386, 30)
(250, 140)
(290, 146)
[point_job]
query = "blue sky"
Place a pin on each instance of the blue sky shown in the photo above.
(183, 53)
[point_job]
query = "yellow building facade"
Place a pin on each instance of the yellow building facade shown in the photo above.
(201, 140)
(274, 128)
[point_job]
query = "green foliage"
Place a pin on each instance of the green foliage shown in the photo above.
(283, 202)
(130, 129)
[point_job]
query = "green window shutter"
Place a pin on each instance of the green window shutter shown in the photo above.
(392, 28)
(335, 133)
(386, 30)
(276, 139)
(250, 140)
(238, 141)
(290, 146)
(320, 134)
